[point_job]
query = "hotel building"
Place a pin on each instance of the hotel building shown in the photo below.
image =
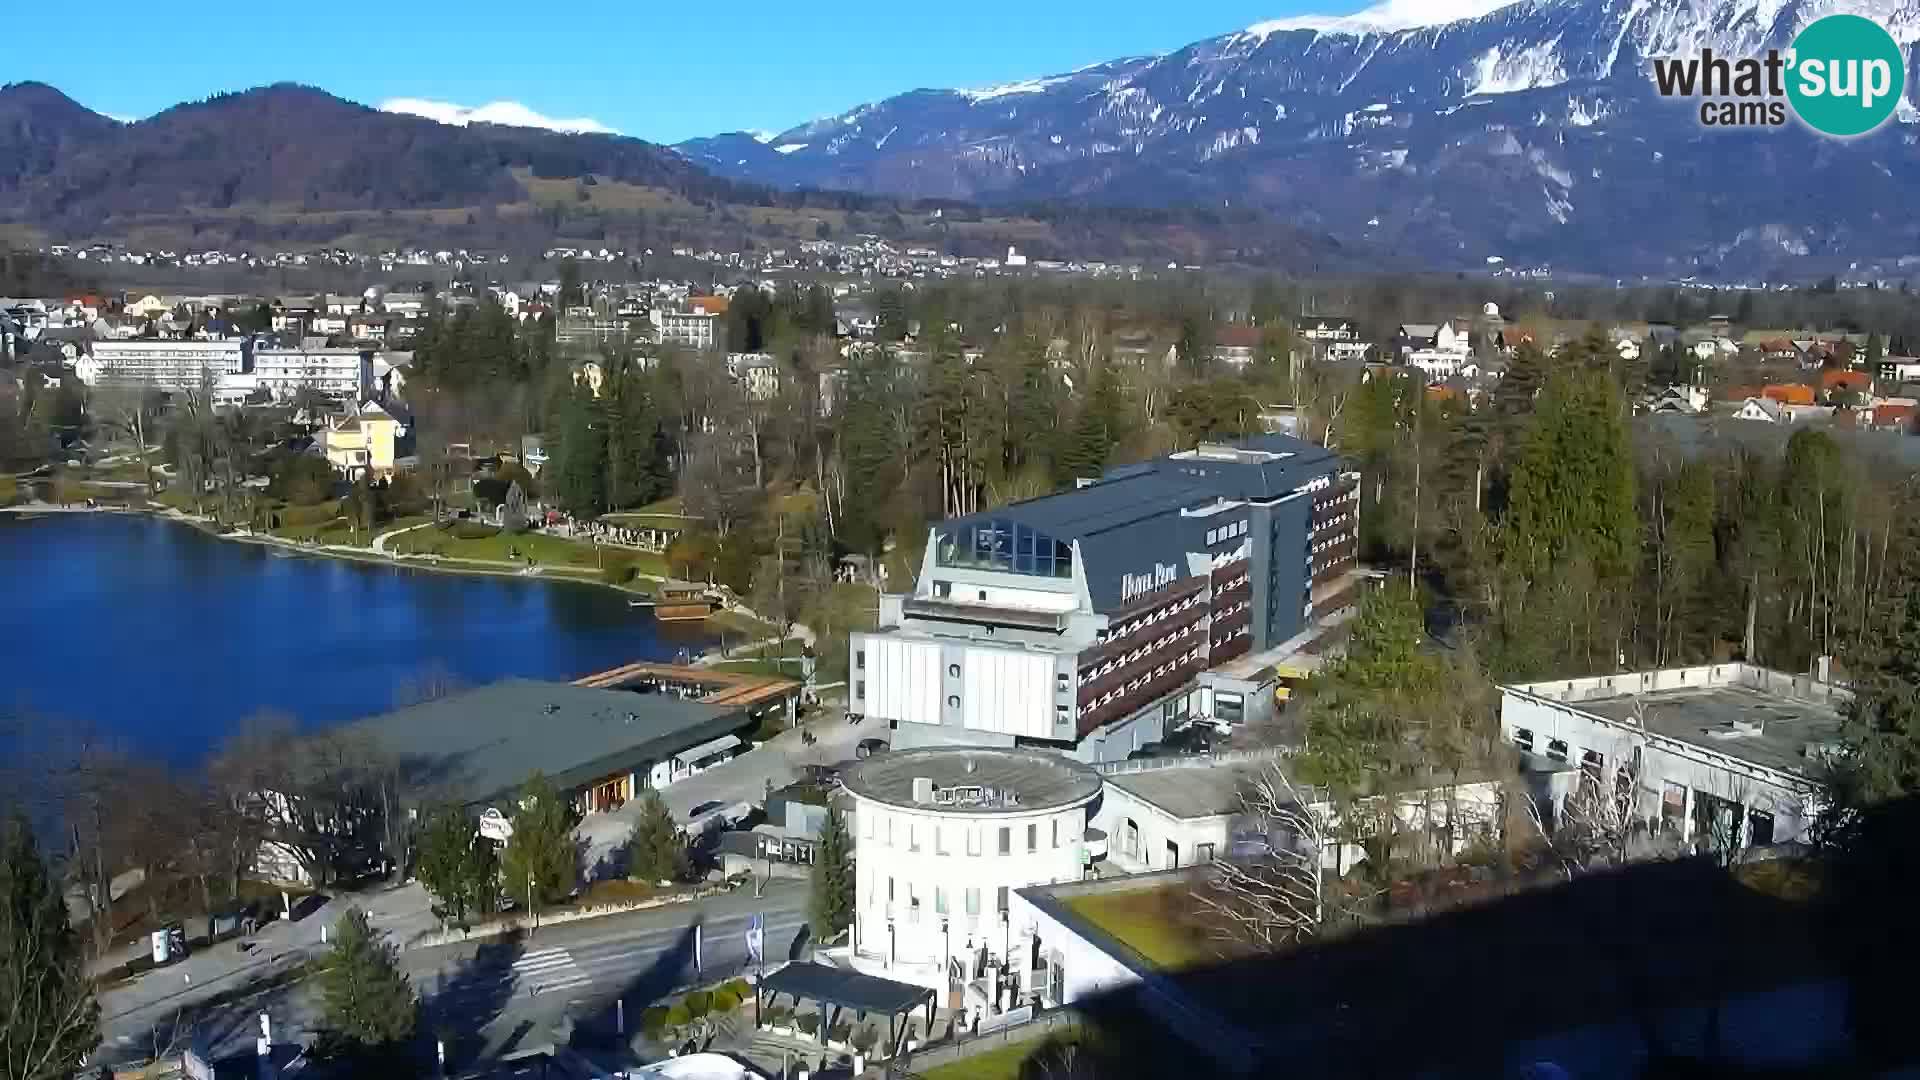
(1078, 621)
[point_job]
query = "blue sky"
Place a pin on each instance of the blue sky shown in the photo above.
(657, 71)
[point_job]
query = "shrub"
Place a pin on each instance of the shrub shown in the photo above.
(617, 573)
(678, 1016)
(698, 1003)
(739, 988)
(653, 1021)
(724, 1001)
(807, 1022)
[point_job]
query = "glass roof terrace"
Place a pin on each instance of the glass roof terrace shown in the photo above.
(1005, 545)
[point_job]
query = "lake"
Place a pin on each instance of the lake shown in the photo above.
(157, 633)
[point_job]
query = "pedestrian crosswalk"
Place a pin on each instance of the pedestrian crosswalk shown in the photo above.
(545, 970)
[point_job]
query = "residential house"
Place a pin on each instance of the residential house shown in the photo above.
(757, 373)
(339, 304)
(1895, 416)
(1899, 368)
(1788, 393)
(1840, 382)
(1331, 337)
(1759, 408)
(361, 441)
(1684, 400)
(1438, 350)
(1236, 345)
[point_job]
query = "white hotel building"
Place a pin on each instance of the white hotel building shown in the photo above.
(942, 839)
(335, 373)
(164, 365)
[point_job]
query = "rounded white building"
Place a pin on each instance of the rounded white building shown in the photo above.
(942, 838)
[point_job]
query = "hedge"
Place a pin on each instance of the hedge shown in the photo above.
(741, 989)
(724, 1001)
(699, 1003)
(653, 1020)
(678, 1016)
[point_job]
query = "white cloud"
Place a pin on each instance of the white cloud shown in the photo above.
(510, 113)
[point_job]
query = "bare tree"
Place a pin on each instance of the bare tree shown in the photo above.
(317, 798)
(128, 409)
(1271, 890)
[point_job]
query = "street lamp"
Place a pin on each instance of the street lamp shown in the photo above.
(533, 900)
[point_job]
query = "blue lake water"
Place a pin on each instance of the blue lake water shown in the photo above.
(158, 634)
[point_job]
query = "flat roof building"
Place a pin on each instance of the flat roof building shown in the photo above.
(1722, 755)
(1079, 620)
(477, 747)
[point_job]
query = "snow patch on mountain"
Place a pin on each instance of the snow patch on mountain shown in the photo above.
(1024, 86)
(1384, 17)
(788, 148)
(1501, 72)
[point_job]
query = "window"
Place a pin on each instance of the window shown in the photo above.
(1759, 827)
(1000, 900)
(973, 901)
(953, 701)
(1203, 853)
(939, 900)
(889, 832)
(1006, 840)
(913, 837)
(860, 660)
(973, 841)
(983, 596)
(860, 688)
(953, 670)
(1033, 837)
(866, 825)
(1557, 749)
(939, 841)
(1523, 738)
(889, 888)
(1056, 832)
(942, 589)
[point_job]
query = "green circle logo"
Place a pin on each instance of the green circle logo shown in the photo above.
(1846, 75)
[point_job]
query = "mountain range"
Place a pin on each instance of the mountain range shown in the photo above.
(1523, 134)
(293, 165)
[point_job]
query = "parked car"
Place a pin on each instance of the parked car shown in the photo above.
(866, 748)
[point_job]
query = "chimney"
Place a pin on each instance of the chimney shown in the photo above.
(922, 789)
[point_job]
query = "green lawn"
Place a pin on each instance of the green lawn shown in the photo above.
(549, 551)
(1000, 1063)
(1151, 921)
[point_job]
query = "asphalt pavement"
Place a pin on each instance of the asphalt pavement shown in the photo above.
(496, 995)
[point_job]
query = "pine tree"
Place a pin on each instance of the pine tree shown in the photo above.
(457, 864)
(830, 907)
(655, 851)
(367, 1005)
(538, 864)
(581, 480)
(1096, 430)
(1572, 490)
(48, 1019)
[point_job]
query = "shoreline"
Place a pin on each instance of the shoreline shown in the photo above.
(368, 556)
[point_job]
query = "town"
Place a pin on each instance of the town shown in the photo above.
(1090, 652)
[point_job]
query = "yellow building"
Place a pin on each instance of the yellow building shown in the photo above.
(362, 441)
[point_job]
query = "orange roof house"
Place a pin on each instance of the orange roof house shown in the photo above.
(1843, 379)
(1788, 393)
(708, 305)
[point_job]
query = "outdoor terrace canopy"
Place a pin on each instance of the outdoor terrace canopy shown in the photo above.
(845, 989)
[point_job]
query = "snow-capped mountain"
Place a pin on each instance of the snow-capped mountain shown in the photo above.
(1458, 131)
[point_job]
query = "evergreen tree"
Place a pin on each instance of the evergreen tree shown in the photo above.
(580, 482)
(538, 865)
(830, 907)
(1572, 489)
(1097, 430)
(457, 865)
(655, 850)
(367, 1005)
(48, 1019)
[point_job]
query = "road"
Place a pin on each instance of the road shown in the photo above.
(500, 994)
